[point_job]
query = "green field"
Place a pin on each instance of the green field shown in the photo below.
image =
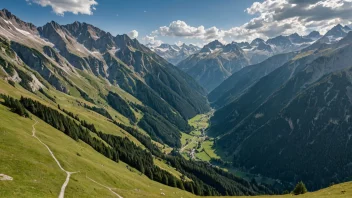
(190, 141)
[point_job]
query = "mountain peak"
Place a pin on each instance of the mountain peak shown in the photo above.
(256, 41)
(338, 31)
(314, 34)
(295, 35)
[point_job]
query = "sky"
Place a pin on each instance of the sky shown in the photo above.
(190, 21)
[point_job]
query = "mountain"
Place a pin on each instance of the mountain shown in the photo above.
(296, 115)
(335, 34)
(63, 53)
(214, 63)
(314, 35)
(174, 53)
(240, 81)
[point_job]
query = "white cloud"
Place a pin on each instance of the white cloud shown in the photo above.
(182, 29)
(133, 34)
(151, 40)
(270, 18)
(74, 6)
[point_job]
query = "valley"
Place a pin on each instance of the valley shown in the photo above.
(243, 113)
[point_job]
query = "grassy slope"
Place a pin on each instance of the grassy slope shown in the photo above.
(37, 175)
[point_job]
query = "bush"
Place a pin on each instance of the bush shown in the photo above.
(11, 82)
(300, 189)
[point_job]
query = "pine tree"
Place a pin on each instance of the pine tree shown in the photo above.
(300, 189)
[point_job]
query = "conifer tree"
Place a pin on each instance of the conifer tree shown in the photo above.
(300, 188)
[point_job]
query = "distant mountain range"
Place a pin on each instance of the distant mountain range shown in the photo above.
(174, 53)
(215, 62)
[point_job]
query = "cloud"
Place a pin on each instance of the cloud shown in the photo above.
(182, 29)
(75, 6)
(133, 34)
(270, 18)
(152, 41)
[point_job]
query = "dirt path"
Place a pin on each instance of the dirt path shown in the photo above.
(104, 187)
(62, 192)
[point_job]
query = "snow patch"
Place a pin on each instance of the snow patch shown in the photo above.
(114, 50)
(22, 31)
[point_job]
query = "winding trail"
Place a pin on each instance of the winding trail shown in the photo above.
(62, 192)
(104, 187)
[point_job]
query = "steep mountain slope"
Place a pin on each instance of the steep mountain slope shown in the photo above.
(237, 83)
(174, 53)
(304, 88)
(214, 63)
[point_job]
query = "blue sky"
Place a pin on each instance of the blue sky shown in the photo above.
(190, 21)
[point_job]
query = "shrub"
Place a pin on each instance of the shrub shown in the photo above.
(300, 188)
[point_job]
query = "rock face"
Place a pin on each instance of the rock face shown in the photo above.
(292, 123)
(80, 56)
(214, 63)
(174, 53)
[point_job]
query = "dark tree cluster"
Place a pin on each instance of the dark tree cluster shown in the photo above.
(15, 105)
(69, 113)
(85, 95)
(99, 110)
(121, 106)
(47, 95)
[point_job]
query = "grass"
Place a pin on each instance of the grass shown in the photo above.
(37, 175)
(199, 121)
